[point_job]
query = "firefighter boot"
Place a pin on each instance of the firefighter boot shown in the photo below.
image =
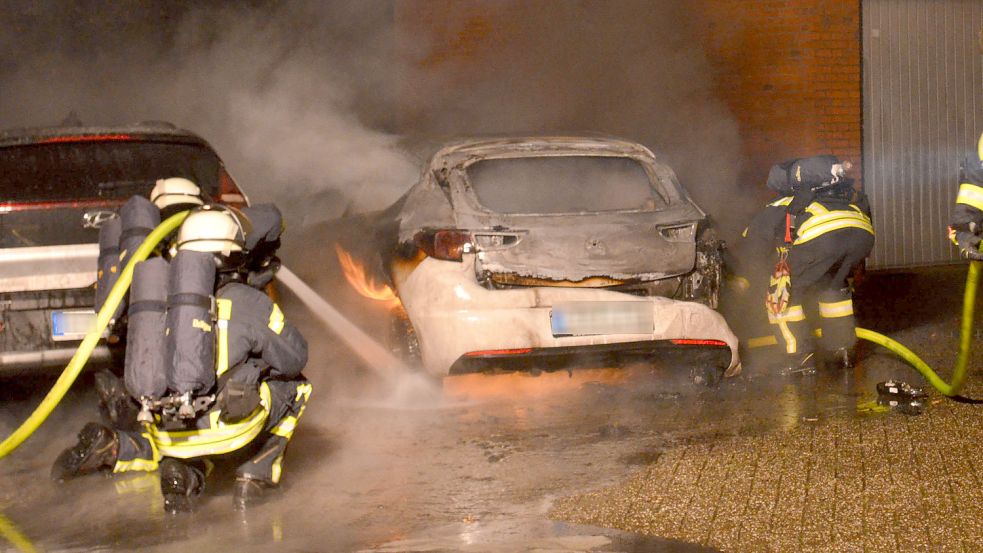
(181, 482)
(96, 449)
(251, 491)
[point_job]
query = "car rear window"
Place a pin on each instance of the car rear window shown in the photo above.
(567, 184)
(110, 169)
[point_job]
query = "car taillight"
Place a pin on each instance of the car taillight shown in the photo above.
(228, 191)
(447, 245)
(693, 342)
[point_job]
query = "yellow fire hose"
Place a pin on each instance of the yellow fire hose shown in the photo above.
(84, 350)
(965, 339)
(12, 534)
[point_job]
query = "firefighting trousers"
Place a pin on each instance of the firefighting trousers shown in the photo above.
(266, 431)
(819, 269)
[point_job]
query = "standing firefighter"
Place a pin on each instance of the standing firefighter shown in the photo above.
(232, 384)
(821, 230)
(967, 215)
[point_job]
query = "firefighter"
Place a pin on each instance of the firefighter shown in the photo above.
(252, 406)
(821, 229)
(967, 215)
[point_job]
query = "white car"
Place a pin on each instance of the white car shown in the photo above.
(543, 253)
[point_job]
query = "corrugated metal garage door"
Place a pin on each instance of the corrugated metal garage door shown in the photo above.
(923, 111)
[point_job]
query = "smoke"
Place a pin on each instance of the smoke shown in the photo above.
(632, 69)
(290, 94)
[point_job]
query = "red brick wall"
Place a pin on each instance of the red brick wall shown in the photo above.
(790, 72)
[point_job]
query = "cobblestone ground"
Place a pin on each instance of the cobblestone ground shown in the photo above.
(855, 480)
(885, 483)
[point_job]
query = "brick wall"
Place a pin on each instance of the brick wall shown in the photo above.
(790, 72)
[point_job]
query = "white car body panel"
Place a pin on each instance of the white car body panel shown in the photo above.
(454, 315)
(48, 267)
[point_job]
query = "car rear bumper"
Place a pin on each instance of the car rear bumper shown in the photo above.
(695, 353)
(453, 316)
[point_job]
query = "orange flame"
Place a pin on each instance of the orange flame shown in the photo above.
(364, 285)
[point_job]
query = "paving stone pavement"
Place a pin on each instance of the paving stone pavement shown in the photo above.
(875, 483)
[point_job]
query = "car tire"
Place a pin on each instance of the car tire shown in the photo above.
(403, 342)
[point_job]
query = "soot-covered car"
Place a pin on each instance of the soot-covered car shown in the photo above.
(57, 186)
(549, 252)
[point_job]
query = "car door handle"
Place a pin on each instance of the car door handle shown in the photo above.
(95, 218)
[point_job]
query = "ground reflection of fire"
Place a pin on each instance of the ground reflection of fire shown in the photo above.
(362, 283)
(523, 384)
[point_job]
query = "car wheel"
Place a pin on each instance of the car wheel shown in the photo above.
(403, 342)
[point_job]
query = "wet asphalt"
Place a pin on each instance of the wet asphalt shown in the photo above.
(630, 459)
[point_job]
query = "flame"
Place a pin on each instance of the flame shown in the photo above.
(364, 285)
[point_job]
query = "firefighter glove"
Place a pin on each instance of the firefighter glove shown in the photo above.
(969, 244)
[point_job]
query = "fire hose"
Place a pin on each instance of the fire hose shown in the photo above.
(84, 351)
(965, 339)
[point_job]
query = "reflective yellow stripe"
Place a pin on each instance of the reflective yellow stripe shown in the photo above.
(790, 345)
(304, 390)
(792, 314)
(817, 209)
(784, 201)
(971, 195)
(817, 225)
(144, 465)
(220, 438)
(277, 468)
(979, 148)
(276, 319)
(838, 309)
(762, 341)
(224, 308)
(285, 428)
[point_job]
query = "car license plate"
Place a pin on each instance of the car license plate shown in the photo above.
(584, 318)
(71, 325)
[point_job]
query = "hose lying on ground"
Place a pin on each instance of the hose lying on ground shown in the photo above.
(84, 350)
(965, 339)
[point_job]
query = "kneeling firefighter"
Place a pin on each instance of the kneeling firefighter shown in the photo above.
(232, 383)
(821, 229)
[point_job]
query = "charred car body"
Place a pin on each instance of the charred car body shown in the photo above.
(546, 252)
(58, 185)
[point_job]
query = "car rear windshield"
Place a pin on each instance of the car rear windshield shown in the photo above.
(567, 184)
(93, 170)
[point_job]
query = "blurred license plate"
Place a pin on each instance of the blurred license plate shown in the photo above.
(71, 325)
(584, 318)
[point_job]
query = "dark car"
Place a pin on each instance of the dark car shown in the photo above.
(57, 186)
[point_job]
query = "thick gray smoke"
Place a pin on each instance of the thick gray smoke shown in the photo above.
(632, 68)
(294, 95)
(287, 93)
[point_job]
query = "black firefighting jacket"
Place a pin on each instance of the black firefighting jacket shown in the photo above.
(969, 201)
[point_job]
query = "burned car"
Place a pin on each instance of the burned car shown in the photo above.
(58, 185)
(549, 252)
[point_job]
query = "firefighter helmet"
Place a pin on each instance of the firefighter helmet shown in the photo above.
(213, 228)
(175, 191)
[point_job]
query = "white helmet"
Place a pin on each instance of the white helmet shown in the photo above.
(175, 191)
(214, 229)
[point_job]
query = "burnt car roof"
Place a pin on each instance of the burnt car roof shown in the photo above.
(461, 150)
(159, 131)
